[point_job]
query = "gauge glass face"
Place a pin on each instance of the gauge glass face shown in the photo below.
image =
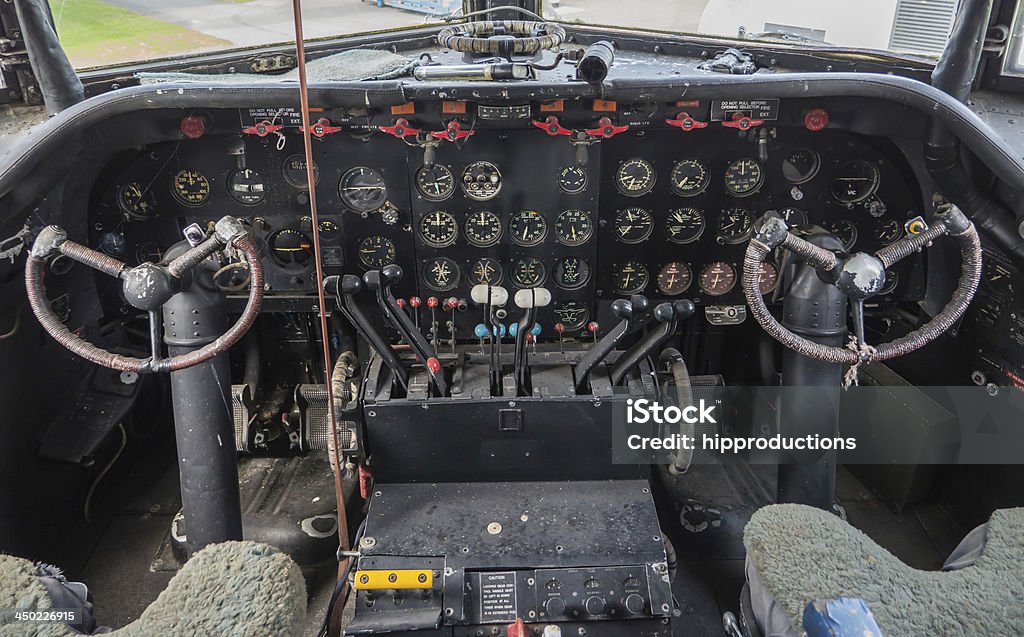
(435, 182)
(801, 166)
(440, 274)
(888, 232)
(573, 315)
(438, 229)
(571, 273)
(290, 249)
(689, 177)
(735, 226)
(998, 277)
(528, 272)
(674, 278)
(485, 270)
(246, 186)
(629, 277)
(988, 313)
(191, 187)
(527, 227)
(362, 189)
(793, 216)
(483, 228)
(113, 243)
(328, 229)
(572, 179)
(481, 181)
(743, 177)
(635, 177)
(633, 225)
(767, 278)
(844, 230)
(294, 171)
(148, 252)
(684, 225)
(717, 278)
(854, 181)
(573, 227)
(376, 251)
(891, 281)
(135, 201)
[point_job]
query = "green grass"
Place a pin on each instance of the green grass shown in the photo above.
(95, 33)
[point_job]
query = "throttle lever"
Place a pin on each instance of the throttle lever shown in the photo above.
(632, 313)
(669, 315)
(381, 282)
(344, 290)
(529, 300)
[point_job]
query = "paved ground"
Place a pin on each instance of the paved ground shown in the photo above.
(258, 22)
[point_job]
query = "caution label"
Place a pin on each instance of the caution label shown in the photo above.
(497, 597)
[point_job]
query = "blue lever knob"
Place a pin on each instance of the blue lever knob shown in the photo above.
(536, 329)
(480, 330)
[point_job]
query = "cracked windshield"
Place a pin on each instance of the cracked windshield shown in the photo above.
(107, 32)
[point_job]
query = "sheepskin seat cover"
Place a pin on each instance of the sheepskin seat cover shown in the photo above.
(801, 553)
(236, 589)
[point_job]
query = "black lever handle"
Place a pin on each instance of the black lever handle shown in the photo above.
(669, 315)
(381, 281)
(528, 300)
(632, 313)
(345, 289)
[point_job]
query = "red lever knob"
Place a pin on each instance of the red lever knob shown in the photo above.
(415, 301)
(518, 629)
(742, 122)
(453, 132)
(433, 365)
(559, 328)
(431, 301)
(262, 129)
(400, 303)
(685, 123)
(593, 327)
(606, 129)
(400, 130)
(551, 126)
(451, 303)
(322, 127)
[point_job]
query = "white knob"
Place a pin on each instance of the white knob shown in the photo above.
(499, 295)
(533, 297)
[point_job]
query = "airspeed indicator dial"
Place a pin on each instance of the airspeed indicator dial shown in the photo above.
(483, 228)
(635, 177)
(689, 177)
(573, 227)
(191, 187)
(438, 229)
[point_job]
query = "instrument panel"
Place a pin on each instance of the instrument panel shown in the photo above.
(652, 210)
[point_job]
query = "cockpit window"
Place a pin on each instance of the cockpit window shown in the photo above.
(108, 32)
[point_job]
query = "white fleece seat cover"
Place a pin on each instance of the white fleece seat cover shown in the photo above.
(800, 553)
(236, 589)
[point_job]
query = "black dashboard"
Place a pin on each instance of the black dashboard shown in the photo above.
(591, 199)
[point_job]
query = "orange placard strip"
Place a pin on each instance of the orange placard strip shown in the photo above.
(688, 104)
(605, 106)
(453, 107)
(404, 109)
(554, 106)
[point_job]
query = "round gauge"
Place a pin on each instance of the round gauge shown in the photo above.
(988, 313)
(684, 225)
(891, 281)
(438, 229)
(191, 187)
(572, 179)
(793, 216)
(483, 228)
(735, 226)
(633, 225)
(689, 177)
(743, 177)
(629, 277)
(635, 177)
(573, 315)
(573, 227)
(854, 181)
(528, 272)
(148, 252)
(362, 189)
(844, 230)
(294, 171)
(481, 181)
(485, 270)
(997, 277)
(888, 232)
(717, 278)
(246, 187)
(440, 274)
(527, 227)
(328, 229)
(674, 278)
(435, 182)
(801, 166)
(376, 252)
(767, 278)
(113, 243)
(135, 201)
(571, 273)
(290, 249)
